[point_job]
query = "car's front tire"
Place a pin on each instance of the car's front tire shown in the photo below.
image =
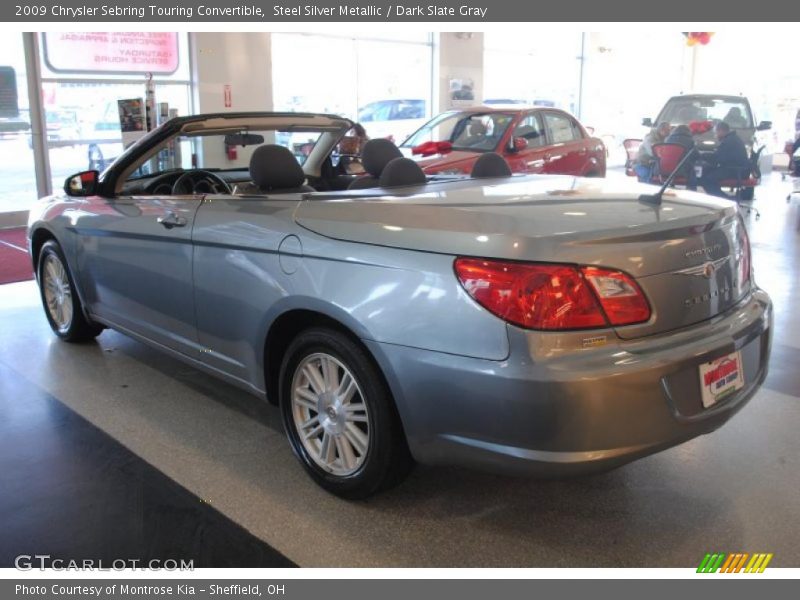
(339, 415)
(62, 306)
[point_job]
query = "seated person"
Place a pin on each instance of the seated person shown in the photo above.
(729, 161)
(645, 161)
(476, 133)
(735, 119)
(350, 148)
(682, 136)
(690, 113)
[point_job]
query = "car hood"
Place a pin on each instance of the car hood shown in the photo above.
(456, 159)
(535, 218)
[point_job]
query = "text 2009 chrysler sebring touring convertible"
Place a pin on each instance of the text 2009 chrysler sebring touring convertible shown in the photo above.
(548, 325)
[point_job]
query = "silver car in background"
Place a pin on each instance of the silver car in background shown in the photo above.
(543, 325)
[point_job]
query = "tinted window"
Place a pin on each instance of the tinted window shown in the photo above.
(683, 110)
(532, 130)
(561, 128)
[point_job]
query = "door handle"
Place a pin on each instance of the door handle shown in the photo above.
(171, 220)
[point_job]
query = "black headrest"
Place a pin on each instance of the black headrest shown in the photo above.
(491, 164)
(377, 154)
(400, 172)
(274, 167)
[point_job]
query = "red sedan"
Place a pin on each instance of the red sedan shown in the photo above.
(532, 140)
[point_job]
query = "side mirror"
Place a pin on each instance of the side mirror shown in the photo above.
(764, 125)
(647, 122)
(589, 129)
(518, 143)
(82, 184)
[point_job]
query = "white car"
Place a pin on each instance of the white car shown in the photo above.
(393, 119)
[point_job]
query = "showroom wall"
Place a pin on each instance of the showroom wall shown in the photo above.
(460, 62)
(241, 61)
(232, 72)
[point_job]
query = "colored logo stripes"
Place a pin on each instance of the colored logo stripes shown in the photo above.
(740, 562)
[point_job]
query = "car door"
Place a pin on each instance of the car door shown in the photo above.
(530, 156)
(135, 263)
(567, 151)
(245, 251)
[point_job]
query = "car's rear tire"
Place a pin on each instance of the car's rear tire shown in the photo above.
(61, 303)
(339, 415)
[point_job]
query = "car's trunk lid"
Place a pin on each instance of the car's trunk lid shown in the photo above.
(561, 219)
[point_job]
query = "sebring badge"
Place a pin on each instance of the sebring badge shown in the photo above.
(704, 251)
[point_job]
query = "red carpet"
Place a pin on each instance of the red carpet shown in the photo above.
(14, 262)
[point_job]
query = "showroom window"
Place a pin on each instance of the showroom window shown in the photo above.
(541, 70)
(386, 84)
(627, 78)
(16, 154)
(85, 74)
(773, 88)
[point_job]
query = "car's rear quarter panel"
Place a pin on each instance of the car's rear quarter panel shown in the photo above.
(245, 279)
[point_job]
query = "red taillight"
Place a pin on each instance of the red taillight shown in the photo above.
(620, 296)
(553, 297)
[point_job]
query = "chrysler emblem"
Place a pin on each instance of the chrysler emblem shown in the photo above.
(706, 270)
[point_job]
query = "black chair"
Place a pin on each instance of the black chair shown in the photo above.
(274, 169)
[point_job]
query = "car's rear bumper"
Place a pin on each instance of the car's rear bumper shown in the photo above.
(554, 413)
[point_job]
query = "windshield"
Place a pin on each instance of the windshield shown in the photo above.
(476, 132)
(228, 151)
(683, 110)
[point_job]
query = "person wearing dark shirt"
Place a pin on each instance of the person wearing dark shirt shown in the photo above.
(682, 136)
(730, 161)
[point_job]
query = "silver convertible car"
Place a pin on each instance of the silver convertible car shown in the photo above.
(535, 324)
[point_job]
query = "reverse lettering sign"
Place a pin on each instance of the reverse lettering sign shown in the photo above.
(114, 52)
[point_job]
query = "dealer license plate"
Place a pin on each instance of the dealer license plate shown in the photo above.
(720, 378)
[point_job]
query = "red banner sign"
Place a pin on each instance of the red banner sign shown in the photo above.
(111, 52)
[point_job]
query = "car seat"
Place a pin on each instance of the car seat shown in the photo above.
(375, 155)
(274, 169)
(402, 172)
(489, 165)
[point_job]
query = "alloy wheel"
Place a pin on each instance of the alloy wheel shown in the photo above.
(330, 414)
(57, 292)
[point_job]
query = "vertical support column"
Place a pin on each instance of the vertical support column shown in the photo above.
(460, 59)
(231, 72)
(41, 156)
